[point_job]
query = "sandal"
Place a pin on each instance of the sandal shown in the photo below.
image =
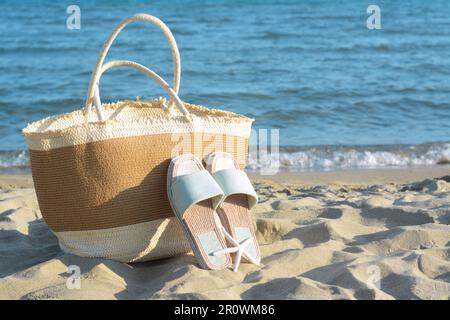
(234, 209)
(194, 196)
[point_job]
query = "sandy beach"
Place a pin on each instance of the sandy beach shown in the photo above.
(361, 234)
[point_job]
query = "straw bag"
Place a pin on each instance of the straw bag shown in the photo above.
(100, 172)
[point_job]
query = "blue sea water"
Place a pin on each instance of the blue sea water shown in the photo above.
(340, 94)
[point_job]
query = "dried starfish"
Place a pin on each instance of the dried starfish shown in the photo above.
(239, 249)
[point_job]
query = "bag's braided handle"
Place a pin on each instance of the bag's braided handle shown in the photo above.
(125, 63)
(97, 70)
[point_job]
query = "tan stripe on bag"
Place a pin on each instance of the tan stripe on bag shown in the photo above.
(116, 182)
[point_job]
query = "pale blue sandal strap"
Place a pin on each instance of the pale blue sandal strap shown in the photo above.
(190, 189)
(234, 181)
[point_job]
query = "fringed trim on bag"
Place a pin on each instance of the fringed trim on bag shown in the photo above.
(131, 118)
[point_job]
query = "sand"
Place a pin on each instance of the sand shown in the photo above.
(368, 234)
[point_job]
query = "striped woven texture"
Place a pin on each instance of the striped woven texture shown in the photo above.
(107, 197)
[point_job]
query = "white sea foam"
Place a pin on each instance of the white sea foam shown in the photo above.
(14, 159)
(311, 158)
(332, 157)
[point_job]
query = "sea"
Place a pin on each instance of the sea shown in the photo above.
(344, 84)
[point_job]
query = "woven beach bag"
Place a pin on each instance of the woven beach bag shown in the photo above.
(100, 172)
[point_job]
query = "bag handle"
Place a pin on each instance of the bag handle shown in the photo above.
(107, 45)
(125, 63)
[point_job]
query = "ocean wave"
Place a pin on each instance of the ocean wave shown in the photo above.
(352, 157)
(318, 158)
(14, 159)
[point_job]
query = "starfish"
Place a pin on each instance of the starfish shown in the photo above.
(239, 248)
